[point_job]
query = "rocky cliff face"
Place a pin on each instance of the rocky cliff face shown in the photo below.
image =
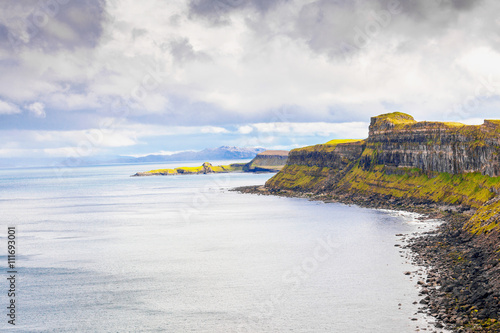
(426, 159)
(268, 160)
(308, 168)
(454, 148)
(404, 163)
(434, 162)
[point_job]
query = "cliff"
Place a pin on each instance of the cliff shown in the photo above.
(433, 162)
(449, 167)
(267, 161)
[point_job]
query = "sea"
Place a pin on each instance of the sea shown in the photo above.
(99, 251)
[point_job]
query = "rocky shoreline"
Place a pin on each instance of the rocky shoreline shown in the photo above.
(459, 288)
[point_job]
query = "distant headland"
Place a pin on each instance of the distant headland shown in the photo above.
(266, 161)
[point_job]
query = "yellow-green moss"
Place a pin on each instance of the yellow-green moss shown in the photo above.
(453, 124)
(469, 189)
(486, 219)
(199, 169)
(338, 141)
(299, 177)
(397, 118)
(483, 325)
(189, 169)
(162, 171)
(327, 147)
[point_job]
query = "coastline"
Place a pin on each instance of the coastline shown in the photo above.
(454, 265)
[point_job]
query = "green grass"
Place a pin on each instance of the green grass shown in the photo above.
(486, 219)
(327, 147)
(299, 177)
(199, 169)
(189, 169)
(396, 118)
(162, 171)
(338, 141)
(468, 189)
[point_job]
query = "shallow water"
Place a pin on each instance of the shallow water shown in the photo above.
(101, 251)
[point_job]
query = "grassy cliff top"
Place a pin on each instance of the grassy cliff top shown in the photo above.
(397, 121)
(395, 118)
(329, 146)
(492, 124)
(273, 153)
(337, 141)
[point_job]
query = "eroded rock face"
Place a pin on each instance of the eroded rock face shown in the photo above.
(338, 156)
(207, 168)
(431, 164)
(435, 146)
(423, 164)
(267, 161)
(426, 162)
(398, 143)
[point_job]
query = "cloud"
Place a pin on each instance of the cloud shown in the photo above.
(37, 109)
(273, 54)
(213, 130)
(52, 25)
(245, 129)
(226, 68)
(183, 51)
(8, 108)
(355, 130)
(218, 11)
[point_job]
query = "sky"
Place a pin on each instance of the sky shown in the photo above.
(85, 78)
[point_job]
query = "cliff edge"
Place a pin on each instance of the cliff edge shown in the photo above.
(267, 161)
(405, 164)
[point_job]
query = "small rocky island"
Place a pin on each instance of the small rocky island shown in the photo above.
(266, 161)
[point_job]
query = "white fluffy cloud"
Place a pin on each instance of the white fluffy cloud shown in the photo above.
(8, 108)
(37, 109)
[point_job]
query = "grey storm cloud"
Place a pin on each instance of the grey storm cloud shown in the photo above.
(182, 51)
(217, 11)
(336, 27)
(222, 57)
(51, 25)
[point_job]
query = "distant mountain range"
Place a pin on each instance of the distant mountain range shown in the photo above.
(208, 154)
(205, 155)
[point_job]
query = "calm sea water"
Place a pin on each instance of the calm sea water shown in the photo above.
(99, 251)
